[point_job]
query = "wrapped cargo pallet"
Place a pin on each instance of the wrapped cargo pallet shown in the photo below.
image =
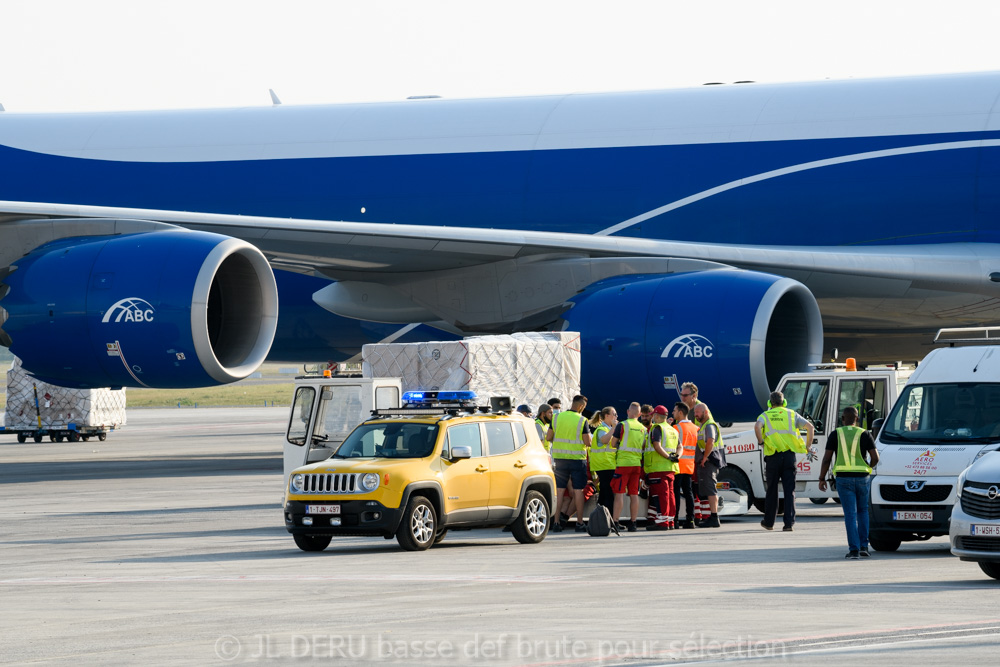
(528, 367)
(59, 406)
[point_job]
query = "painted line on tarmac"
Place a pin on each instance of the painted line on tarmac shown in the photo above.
(699, 649)
(404, 578)
(944, 627)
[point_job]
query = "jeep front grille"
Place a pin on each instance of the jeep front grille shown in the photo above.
(331, 482)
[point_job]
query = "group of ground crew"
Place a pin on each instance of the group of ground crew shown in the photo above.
(675, 455)
(656, 451)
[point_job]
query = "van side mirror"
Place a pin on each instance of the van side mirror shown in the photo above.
(877, 426)
(461, 452)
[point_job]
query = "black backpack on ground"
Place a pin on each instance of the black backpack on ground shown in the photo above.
(601, 524)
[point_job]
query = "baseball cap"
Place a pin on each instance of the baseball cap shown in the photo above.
(524, 408)
(660, 410)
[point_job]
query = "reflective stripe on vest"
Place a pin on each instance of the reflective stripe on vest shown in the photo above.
(651, 459)
(688, 442)
(849, 455)
(602, 457)
(780, 434)
(568, 440)
(631, 445)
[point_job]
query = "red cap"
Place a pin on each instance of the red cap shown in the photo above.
(660, 410)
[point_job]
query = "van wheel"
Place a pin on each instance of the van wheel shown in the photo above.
(992, 569)
(312, 542)
(419, 526)
(532, 524)
(884, 542)
(818, 501)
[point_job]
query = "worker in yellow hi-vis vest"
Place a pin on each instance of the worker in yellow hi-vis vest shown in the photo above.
(778, 433)
(852, 445)
(629, 439)
(570, 438)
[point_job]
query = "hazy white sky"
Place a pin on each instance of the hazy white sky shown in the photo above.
(75, 55)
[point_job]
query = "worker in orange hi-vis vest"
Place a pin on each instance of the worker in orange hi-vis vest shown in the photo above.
(688, 433)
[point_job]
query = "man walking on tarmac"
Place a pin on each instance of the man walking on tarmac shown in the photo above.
(851, 443)
(778, 433)
(708, 461)
(688, 434)
(570, 436)
(629, 438)
(659, 462)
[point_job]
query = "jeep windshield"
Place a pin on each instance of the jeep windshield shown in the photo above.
(959, 413)
(389, 440)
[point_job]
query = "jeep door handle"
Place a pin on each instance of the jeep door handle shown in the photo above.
(481, 469)
(520, 465)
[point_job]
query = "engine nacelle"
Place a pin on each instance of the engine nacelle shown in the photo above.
(733, 333)
(156, 309)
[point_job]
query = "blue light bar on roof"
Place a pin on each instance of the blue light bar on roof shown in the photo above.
(456, 395)
(438, 396)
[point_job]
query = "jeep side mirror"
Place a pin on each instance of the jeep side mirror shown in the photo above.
(461, 452)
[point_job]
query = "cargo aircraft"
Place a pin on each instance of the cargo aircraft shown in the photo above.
(724, 234)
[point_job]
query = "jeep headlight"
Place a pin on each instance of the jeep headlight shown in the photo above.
(296, 483)
(369, 481)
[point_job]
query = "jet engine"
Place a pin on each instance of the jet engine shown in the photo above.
(733, 333)
(155, 309)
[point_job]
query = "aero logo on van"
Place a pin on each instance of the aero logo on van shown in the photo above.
(130, 309)
(694, 346)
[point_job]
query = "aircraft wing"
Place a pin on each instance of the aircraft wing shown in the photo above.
(488, 278)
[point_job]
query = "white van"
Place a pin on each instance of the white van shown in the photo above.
(947, 416)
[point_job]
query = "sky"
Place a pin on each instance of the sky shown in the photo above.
(70, 55)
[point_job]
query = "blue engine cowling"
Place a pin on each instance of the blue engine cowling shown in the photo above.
(733, 333)
(155, 309)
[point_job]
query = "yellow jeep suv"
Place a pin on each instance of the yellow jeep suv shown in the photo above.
(416, 472)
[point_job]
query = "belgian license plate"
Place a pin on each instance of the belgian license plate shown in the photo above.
(992, 531)
(322, 509)
(913, 516)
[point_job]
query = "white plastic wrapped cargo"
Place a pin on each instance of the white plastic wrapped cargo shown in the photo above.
(59, 406)
(528, 367)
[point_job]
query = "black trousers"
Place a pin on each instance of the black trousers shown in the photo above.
(605, 496)
(779, 468)
(683, 489)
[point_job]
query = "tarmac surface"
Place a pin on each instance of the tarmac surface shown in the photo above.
(165, 545)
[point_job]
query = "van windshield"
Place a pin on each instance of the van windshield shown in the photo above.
(945, 413)
(390, 440)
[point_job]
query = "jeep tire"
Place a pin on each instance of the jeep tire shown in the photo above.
(532, 524)
(418, 528)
